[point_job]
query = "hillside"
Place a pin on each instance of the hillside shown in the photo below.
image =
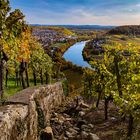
(127, 30)
(84, 27)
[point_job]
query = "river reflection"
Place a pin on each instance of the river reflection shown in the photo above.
(74, 54)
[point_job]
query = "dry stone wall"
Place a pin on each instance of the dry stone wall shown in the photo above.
(28, 112)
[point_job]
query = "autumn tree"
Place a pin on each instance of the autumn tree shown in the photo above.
(11, 26)
(40, 63)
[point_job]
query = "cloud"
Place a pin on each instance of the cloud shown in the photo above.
(138, 5)
(84, 16)
(108, 12)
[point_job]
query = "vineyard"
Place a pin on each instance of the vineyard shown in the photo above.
(116, 77)
(32, 56)
(22, 59)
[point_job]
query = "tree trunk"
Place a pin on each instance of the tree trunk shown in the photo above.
(41, 77)
(3, 57)
(6, 80)
(22, 80)
(1, 78)
(47, 78)
(90, 87)
(34, 76)
(27, 77)
(98, 100)
(99, 90)
(106, 108)
(118, 76)
(17, 78)
(130, 126)
(22, 69)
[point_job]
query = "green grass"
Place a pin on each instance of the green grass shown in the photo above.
(74, 78)
(12, 89)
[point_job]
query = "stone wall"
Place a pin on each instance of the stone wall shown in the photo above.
(28, 112)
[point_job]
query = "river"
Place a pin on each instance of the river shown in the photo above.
(74, 54)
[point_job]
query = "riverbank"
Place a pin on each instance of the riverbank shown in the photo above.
(72, 72)
(96, 47)
(93, 49)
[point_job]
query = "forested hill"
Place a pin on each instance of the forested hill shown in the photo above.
(127, 30)
(82, 27)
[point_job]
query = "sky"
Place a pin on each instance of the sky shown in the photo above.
(93, 12)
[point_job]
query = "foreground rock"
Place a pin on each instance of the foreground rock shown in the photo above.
(93, 137)
(69, 123)
(47, 134)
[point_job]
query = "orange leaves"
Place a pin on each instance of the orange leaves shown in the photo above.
(24, 47)
(24, 52)
(20, 59)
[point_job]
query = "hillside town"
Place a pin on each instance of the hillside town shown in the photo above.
(49, 37)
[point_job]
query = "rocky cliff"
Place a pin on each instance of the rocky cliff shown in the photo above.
(27, 113)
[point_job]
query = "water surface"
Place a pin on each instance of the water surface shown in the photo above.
(74, 54)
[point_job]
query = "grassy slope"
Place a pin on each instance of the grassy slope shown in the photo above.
(12, 88)
(74, 78)
(123, 39)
